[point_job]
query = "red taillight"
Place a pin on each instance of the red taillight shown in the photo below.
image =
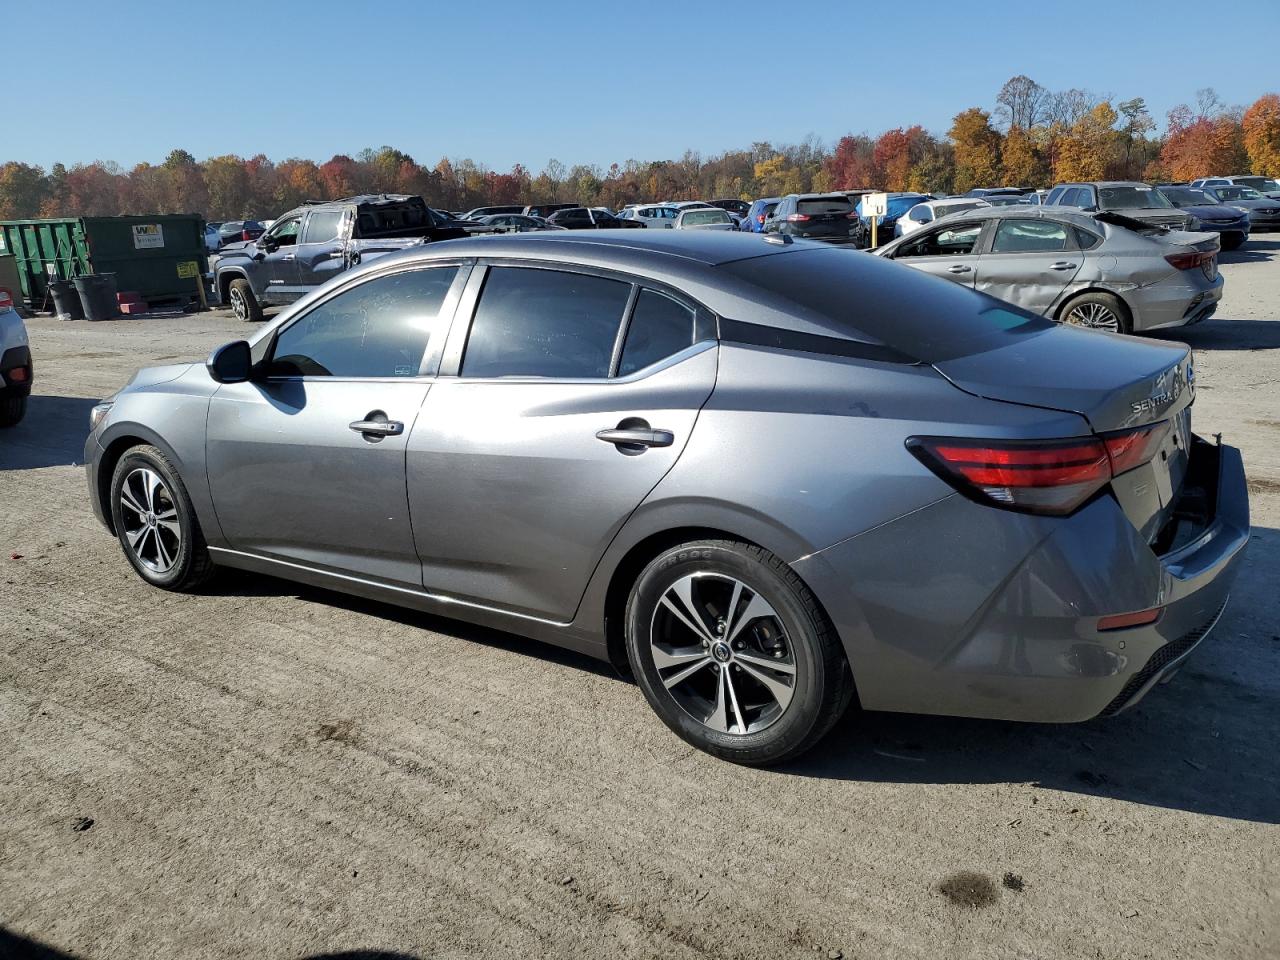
(6, 299)
(1189, 261)
(797, 217)
(852, 215)
(1122, 621)
(1037, 476)
(18, 374)
(244, 235)
(759, 218)
(1134, 447)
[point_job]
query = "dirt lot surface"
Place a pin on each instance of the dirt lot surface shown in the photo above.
(271, 771)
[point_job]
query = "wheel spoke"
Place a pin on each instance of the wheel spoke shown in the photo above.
(149, 484)
(757, 608)
(733, 701)
(674, 658)
(162, 552)
(681, 675)
(135, 537)
(743, 656)
(719, 718)
(780, 691)
(129, 500)
(683, 590)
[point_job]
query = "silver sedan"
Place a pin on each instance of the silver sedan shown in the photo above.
(1106, 271)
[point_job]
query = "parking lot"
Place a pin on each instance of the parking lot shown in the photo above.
(268, 770)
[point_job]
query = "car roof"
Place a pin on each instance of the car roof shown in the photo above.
(605, 246)
(1030, 211)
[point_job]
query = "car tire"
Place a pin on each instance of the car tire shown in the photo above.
(243, 303)
(1097, 311)
(761, 690)
(155, 522)
(12, 410)
(1233, 242)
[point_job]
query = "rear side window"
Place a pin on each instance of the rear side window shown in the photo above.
(660, 327)
(868, 299)
(323, 226)
(1029, 236)
(954, 241)
(544, 323)
(380, 328)
(1086, 239)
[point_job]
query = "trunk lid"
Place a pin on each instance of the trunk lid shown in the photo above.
(1116, 383)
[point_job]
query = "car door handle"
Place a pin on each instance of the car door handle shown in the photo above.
(288, 256)
(1062, 265)
(378, 428)
(638, 436)
(959, 268)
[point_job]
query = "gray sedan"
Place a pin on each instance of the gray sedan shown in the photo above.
(765, 477)
(1104, 271)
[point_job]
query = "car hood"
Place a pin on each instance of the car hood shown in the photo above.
(1213, 211)
(1112, 381)
(150, 376)
(1261, 203)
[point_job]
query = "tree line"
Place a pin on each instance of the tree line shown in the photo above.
(1033, 137)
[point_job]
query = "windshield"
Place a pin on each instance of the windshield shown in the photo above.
(1139, 196)
(866, 297)
(1183, 195)
(1237, 193)
(698, 218)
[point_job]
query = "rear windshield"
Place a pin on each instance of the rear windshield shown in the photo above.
(700, 217)
(825, 205)
(1140, 197)
(864, 297)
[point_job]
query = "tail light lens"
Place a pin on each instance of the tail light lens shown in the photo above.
(759, 218)
(851, 216)
(797, 217)
(1037, 476)
(245, 235)
(1189, 261)
(6, 299)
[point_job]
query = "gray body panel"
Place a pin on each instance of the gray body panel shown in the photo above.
(500, 506)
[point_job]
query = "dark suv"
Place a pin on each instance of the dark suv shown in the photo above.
(815, 216)
(1137, 201)
(586, 218)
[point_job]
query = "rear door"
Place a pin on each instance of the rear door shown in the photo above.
(572, 396)
(1029, 262)
(949, 251)
(321, 252)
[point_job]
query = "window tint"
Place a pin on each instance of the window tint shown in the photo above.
(660, 326)
(920, 214)
(954, 241)
(1086, 239)
(1029, 236)
(378, 329)
(825, 205)
(1055, 195)
(704, 217)
(544, 323)
(323, 225)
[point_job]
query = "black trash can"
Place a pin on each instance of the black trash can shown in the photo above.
(66, 300)
(98, 296)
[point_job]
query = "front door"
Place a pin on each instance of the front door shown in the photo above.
(307, 464)
(949, 252)
(279, 265)
(524, 466)
(1030, 262)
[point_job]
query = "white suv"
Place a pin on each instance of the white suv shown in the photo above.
(15, 363)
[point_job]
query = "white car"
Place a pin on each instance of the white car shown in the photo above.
(923, 214)
(15, 363)
(211, 237)
(661, 216)
(704, 218)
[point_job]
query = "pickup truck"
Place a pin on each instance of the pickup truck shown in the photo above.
(309, 245)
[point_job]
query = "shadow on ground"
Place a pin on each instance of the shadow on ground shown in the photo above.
(1225, 335)
(1255, 250)
(52, 434)
(14, 946)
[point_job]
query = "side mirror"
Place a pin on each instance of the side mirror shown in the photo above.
(231, 362)
(269, 244)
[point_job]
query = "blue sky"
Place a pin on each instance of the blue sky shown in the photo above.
(591, 82)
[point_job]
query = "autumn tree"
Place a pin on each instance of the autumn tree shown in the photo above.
(1261, 129)
(1023, 163)
(851, 165)
(1023, 103)
(22, 189)
(1085, 149)
(977, 150)
(1199, 144)
(227, 182)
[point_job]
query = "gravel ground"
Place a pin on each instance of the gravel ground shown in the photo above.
(266, 770)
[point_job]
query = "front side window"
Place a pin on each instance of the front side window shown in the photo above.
(954, 241)
(660, 326)
(1029, 236)
(380, 328)
(324, 225)
(544, 323)
(285, 233)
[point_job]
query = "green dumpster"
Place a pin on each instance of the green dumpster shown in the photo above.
(149, 254)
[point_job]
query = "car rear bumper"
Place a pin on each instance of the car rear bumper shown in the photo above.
(1184, 297)
(963, 610)
(16, 373)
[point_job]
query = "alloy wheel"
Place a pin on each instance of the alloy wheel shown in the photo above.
(238, 305)
(150, 518)
(1095, 316)
(722, 653)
